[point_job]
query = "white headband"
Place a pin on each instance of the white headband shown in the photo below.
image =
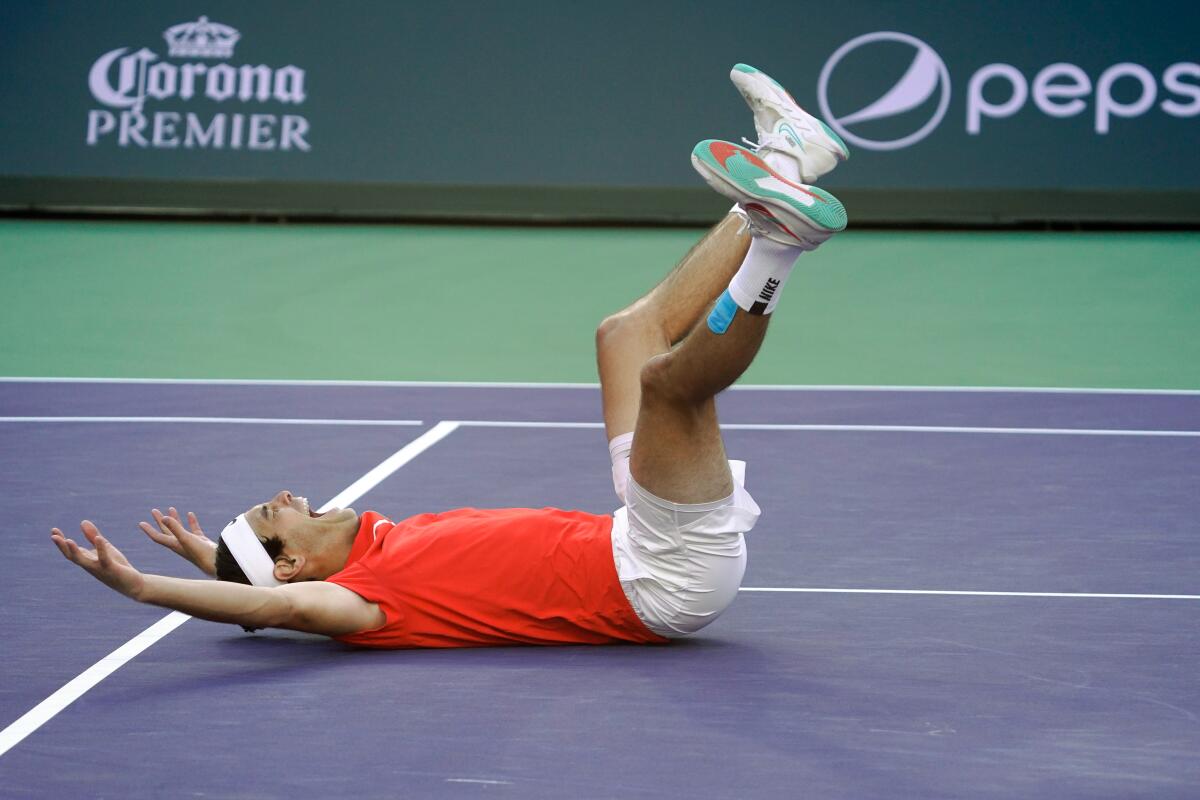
(249, 552)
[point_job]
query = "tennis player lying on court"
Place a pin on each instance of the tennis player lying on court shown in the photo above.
(664, 565)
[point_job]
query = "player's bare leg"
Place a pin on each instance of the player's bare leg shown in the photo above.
(676, 452)
(800, 149)
(787, 217)
(660, 319)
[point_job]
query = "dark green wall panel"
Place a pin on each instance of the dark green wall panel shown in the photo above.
(542, 98)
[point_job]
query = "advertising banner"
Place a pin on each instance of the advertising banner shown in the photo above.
(397, 105)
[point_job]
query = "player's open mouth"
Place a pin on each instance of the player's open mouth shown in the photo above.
(307, 509)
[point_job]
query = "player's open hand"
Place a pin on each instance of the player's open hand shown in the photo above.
(106, 563)
(190, 542)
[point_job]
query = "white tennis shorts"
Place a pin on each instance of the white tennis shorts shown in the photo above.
(680, 565)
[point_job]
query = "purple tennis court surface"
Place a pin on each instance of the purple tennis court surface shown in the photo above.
(1044, 689)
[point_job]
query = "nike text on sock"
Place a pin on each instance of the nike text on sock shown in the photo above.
(758, 283)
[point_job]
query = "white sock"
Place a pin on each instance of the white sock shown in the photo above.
(758, 283)
(618, 450)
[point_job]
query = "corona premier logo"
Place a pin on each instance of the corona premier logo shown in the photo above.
(129, 80)
(201, 39)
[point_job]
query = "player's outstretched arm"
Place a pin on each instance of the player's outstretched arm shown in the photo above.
(190, 543)
(317, 607)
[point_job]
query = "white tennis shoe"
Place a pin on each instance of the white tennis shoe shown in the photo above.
(784, 127)
(774, 207)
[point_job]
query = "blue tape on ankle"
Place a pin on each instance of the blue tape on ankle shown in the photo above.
(722, 314)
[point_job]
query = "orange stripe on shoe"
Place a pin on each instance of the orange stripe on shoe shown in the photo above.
(758, 162)
(723, 151)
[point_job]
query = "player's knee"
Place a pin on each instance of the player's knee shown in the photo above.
(656, 380)
(619, 332)
(609, 330)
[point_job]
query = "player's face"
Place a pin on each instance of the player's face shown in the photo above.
(287, 515)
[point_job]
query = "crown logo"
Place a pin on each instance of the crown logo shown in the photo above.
(202, 39)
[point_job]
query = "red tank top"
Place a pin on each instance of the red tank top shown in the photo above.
(490, 577)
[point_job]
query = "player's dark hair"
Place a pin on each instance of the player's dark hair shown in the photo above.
(227, 565)
(229, 570)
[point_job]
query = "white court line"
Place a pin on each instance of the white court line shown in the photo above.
(484, 781)
(960, 429)
(389, 465)
(733, 426)
(515, 423)
(768, 426)
(224, 420)
(963, 593)
(568, 385)
(44, 711)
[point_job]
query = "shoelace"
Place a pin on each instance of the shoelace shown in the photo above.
(753, 145)
(770, 141)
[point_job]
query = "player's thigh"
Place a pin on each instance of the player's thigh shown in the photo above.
(677, 449)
